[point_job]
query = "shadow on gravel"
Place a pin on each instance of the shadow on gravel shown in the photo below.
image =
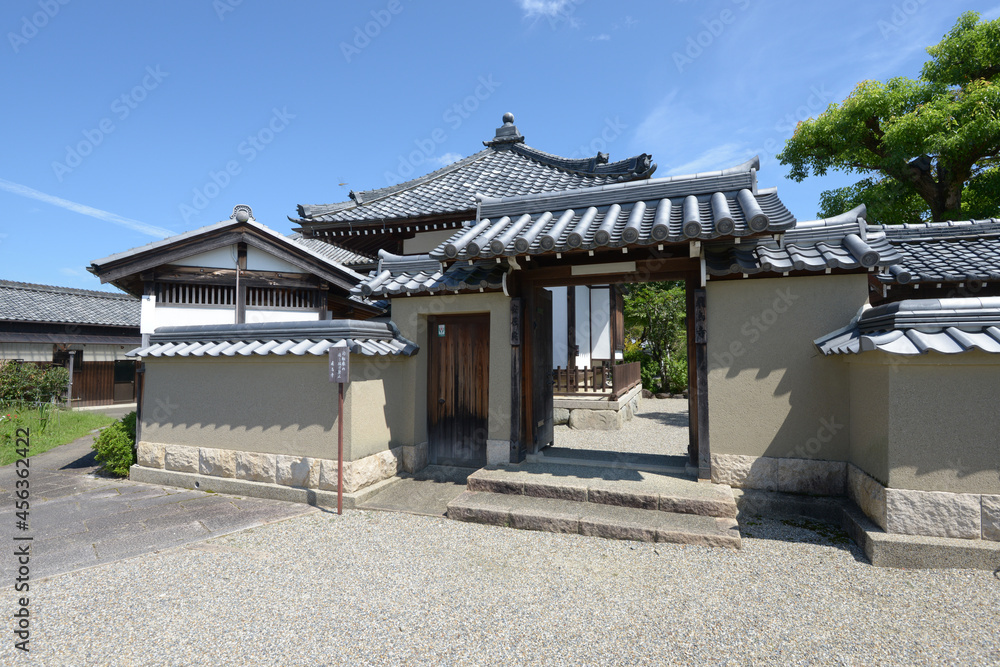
(679, 420)
(801, 531)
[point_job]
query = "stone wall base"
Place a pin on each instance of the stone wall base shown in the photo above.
(292, 471)
(597, 415)
(968, 516)
(804, 476)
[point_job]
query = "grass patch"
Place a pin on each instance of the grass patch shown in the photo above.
(50, 427)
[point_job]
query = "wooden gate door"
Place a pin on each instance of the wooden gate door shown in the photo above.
(541, 376)
(458, 378)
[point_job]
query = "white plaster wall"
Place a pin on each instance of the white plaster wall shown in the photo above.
(265, 315)
(600, 324)
(426, 241)
(178, 316)
(220, 258)
(560, 351)
(583, 325)
(258, 260)
(26, 351)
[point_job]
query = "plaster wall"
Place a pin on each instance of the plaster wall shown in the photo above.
(274, 404)
(26, 351)
(410, 315)
(945, 425)
(426, 241)
(770, 392)
(870, 416)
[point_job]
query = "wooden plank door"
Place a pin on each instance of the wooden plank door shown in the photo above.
(458, 378)
(541, 377)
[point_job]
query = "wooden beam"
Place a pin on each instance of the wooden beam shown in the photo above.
(227, 277)
(155, 258)
(241, 287)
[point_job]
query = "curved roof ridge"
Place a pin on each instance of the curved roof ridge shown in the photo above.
(637, 166)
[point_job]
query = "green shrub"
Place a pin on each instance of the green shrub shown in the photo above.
(30, 383)
(116, 446)
(677, 374)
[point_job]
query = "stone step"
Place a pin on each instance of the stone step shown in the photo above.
(621, 464)
(555, 515)
(640, 489)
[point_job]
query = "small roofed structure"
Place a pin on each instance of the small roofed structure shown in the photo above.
(91, 330)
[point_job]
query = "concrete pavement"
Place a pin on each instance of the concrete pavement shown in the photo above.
(79, 519)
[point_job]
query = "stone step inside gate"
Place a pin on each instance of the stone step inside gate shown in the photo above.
(611, 503)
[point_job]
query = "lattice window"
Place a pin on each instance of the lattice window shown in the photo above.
(195, 295)
(282, 297)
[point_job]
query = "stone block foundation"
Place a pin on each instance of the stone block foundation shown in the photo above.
(968, 516)
(294, 471)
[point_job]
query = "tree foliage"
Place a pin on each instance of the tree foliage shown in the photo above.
(655, 330)
(927, 148)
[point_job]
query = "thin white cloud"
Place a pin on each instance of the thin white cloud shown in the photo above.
(75, 273)
(603, 37)
(82, 209)
(718, 157)
(446, 159)
(533, 8)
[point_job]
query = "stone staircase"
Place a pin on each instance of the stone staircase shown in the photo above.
(615, 503)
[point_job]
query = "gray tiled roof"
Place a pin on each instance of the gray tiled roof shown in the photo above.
(505, 167)
(676, 209)
(332, 251)
(369, 338)
(26, 302)
(941, 252)
(842, 242)
(917, 326)
(414, 274)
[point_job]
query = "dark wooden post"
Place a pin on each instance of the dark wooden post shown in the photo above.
(571, 347)
(241, 288)
(690, 285)
(517, 450)
(701, 352)
(324, 293)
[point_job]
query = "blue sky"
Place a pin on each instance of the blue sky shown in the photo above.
(126, 122)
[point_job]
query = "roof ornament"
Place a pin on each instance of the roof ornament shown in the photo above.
(506, 134)
(242, 213)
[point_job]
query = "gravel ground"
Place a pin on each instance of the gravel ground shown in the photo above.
(660, 427)
(387, 589)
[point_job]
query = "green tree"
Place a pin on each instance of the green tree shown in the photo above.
(927, 148)
(655, 328)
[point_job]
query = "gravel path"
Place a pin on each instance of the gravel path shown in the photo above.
(388, 589)
(660, 427)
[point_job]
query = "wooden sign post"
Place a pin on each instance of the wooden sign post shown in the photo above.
(340, 372)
